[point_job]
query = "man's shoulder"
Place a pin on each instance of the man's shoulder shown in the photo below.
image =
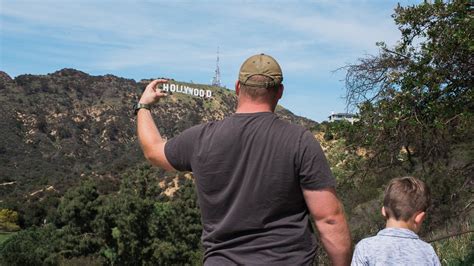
(272, 118)
(208, 124)
(198, 127)
(289, 126)
(288, 123)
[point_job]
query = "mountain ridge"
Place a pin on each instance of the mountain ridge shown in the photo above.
(62, 126)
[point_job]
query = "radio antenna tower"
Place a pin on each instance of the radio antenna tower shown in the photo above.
(216, 81)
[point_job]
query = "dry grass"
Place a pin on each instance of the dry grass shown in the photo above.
(456, 250)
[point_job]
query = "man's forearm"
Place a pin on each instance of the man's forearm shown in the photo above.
(330, 221)
(150, 139)
(335, 236)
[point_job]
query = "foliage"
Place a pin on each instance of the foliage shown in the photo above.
(143, 231)
(33, 211)
(136, 225)
(416, 105)
(457, 250)
(83, 260)
(78, 206)
(8, 220)
(418, 97)
(5, 236)
(34, 246)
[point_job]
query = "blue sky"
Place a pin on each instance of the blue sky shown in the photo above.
(178, 39)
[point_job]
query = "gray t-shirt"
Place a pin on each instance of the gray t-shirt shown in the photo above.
(249, 171)
(394, 246)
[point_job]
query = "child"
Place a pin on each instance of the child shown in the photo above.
(404, 207)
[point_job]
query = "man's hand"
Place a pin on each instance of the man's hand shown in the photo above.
(152, 94)
(328, 215)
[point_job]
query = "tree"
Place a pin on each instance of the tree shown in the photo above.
(78, 207)
(416, 101)
(9, 220)
(33, 246)
(176, 229)
(418, 97)
(140, 225)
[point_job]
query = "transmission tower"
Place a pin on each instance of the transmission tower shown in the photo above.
(216, 81)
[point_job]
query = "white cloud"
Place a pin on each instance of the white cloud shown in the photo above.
(309, 38)
(134, 35)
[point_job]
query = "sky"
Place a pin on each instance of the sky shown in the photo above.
(145, 39)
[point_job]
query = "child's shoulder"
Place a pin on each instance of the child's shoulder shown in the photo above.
(384, 237)
(368, 242)
(394, 238)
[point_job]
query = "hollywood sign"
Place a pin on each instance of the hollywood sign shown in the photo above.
(186, 90)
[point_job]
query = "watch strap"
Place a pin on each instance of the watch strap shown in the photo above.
(139, 106)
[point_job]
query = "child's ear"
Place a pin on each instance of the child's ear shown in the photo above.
(420, 217)
(384, 214)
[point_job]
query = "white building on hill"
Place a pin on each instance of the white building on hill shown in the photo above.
(351, 118)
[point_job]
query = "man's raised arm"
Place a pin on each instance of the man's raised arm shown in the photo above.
(328, 215)
(153, 145)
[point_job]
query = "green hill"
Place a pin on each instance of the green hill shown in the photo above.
(57, 128)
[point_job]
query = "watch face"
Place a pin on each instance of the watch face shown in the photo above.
(139, 106)
(136, 107)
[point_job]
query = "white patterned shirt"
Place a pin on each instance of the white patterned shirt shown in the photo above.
(394, 246)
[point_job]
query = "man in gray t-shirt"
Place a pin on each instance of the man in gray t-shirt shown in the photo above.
(257, 177)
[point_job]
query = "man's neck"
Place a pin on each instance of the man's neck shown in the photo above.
(250, 107)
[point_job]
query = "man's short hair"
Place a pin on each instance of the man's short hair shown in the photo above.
(405, 196)
(256, 92)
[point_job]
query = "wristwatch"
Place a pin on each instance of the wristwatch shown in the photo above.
(139, 106)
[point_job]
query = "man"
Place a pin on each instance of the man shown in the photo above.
(256, 177)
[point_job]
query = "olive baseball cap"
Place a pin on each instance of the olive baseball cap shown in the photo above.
(260, 64)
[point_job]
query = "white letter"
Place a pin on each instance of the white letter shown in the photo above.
(172, 88)
(196, 92)
(179, 89)
(201, 93)
(166, 86)
(208, 93)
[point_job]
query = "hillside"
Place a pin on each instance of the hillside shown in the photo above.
(72, 170)
(59, 127)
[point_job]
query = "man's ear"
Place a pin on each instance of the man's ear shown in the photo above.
(384, 214)
(237, 87)
(420, 217)
(280, 91)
